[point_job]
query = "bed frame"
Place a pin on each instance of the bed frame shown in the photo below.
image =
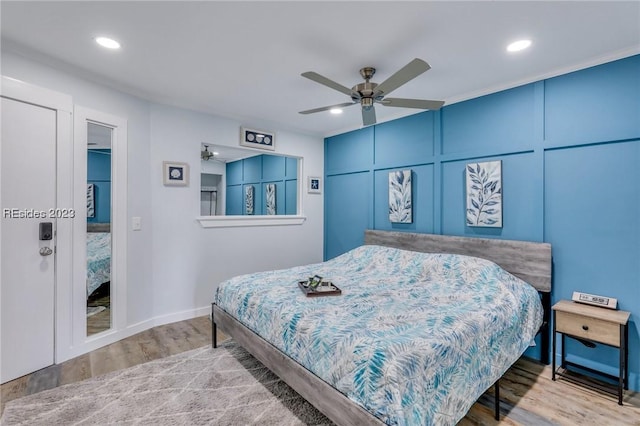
(529, 261)
(98, 227)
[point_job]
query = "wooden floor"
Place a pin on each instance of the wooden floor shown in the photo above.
(101, 321)
(528, 396)
(158, 342)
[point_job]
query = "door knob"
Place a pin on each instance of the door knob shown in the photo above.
(45, 251)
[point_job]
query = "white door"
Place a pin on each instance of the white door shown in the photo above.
(28, 191)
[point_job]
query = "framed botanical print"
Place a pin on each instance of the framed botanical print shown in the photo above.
(484, 194)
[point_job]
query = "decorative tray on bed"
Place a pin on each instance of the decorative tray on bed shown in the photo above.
(316, 287)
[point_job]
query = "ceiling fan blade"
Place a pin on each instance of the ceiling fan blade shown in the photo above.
(326, 82)
(368, 116)
(311, 111)
(403, 75)
(412, 103)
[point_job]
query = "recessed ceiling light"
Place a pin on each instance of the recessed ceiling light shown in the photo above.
(335, 110)
(519, 45)
(109, 43)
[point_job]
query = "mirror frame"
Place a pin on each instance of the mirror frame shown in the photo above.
(119, 212)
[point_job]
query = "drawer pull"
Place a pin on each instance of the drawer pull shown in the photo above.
(585, 327)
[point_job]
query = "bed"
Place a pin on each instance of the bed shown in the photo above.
(423, 328)
(98, 256)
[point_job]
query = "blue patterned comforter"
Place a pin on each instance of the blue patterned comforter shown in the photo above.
(414, 338)
(98, 260)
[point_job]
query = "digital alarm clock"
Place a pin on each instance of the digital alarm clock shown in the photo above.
(592, 299)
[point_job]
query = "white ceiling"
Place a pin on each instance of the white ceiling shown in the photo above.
(243, 60)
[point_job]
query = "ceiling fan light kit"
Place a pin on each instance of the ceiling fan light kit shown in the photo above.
(369, 93)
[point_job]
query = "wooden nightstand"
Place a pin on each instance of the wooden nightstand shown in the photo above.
(595, 325)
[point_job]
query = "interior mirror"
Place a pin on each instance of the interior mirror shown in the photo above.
(236, 181)
(99, 300)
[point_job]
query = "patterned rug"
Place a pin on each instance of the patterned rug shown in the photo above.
(223, 386)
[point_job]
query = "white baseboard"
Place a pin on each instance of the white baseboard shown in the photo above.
(111, 336)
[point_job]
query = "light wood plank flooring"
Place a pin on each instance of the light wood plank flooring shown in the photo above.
(528, 396)
(155, 343)
(101, 321)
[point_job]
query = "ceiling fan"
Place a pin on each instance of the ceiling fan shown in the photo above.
(368, 93)
(205, 154)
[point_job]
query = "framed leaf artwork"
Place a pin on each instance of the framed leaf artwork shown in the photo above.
(400, 201)
(484, 194)
(270, 194)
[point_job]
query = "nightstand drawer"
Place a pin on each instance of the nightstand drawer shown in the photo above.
(588, 328)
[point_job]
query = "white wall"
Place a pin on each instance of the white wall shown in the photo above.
(137, 112)
(208, 256)
(174, 264)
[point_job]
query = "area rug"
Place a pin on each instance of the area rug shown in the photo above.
(223, 386)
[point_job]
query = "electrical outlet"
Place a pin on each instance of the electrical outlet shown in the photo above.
(136, 223)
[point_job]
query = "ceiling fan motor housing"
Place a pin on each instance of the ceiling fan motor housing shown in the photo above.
(365, 93)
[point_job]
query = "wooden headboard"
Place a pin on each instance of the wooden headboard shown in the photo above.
(529, 261)
(99, 227)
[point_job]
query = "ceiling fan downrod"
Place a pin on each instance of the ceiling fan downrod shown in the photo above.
(364, 92)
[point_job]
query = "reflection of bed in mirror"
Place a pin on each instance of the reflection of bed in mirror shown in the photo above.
(98, 256)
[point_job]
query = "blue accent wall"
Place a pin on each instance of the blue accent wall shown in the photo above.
(99, 174)
(570, 152)
(259, 171)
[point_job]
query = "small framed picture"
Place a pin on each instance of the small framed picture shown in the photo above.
(175, 174)
(314, 185)
(257, 139)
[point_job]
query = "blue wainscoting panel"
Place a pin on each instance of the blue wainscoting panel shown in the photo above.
(99, 165)
(252, 169)
(570, 152)
(99, 174)
(494, 123)
(291, 197)
(258, 171)
(234, 173)
(349, 152)
(518, 190)
(346, 213)
(594, 105)
(273, 167)
(422, 195)
(592, 216)
(234, 200)
(405, 141)
(291, 168)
